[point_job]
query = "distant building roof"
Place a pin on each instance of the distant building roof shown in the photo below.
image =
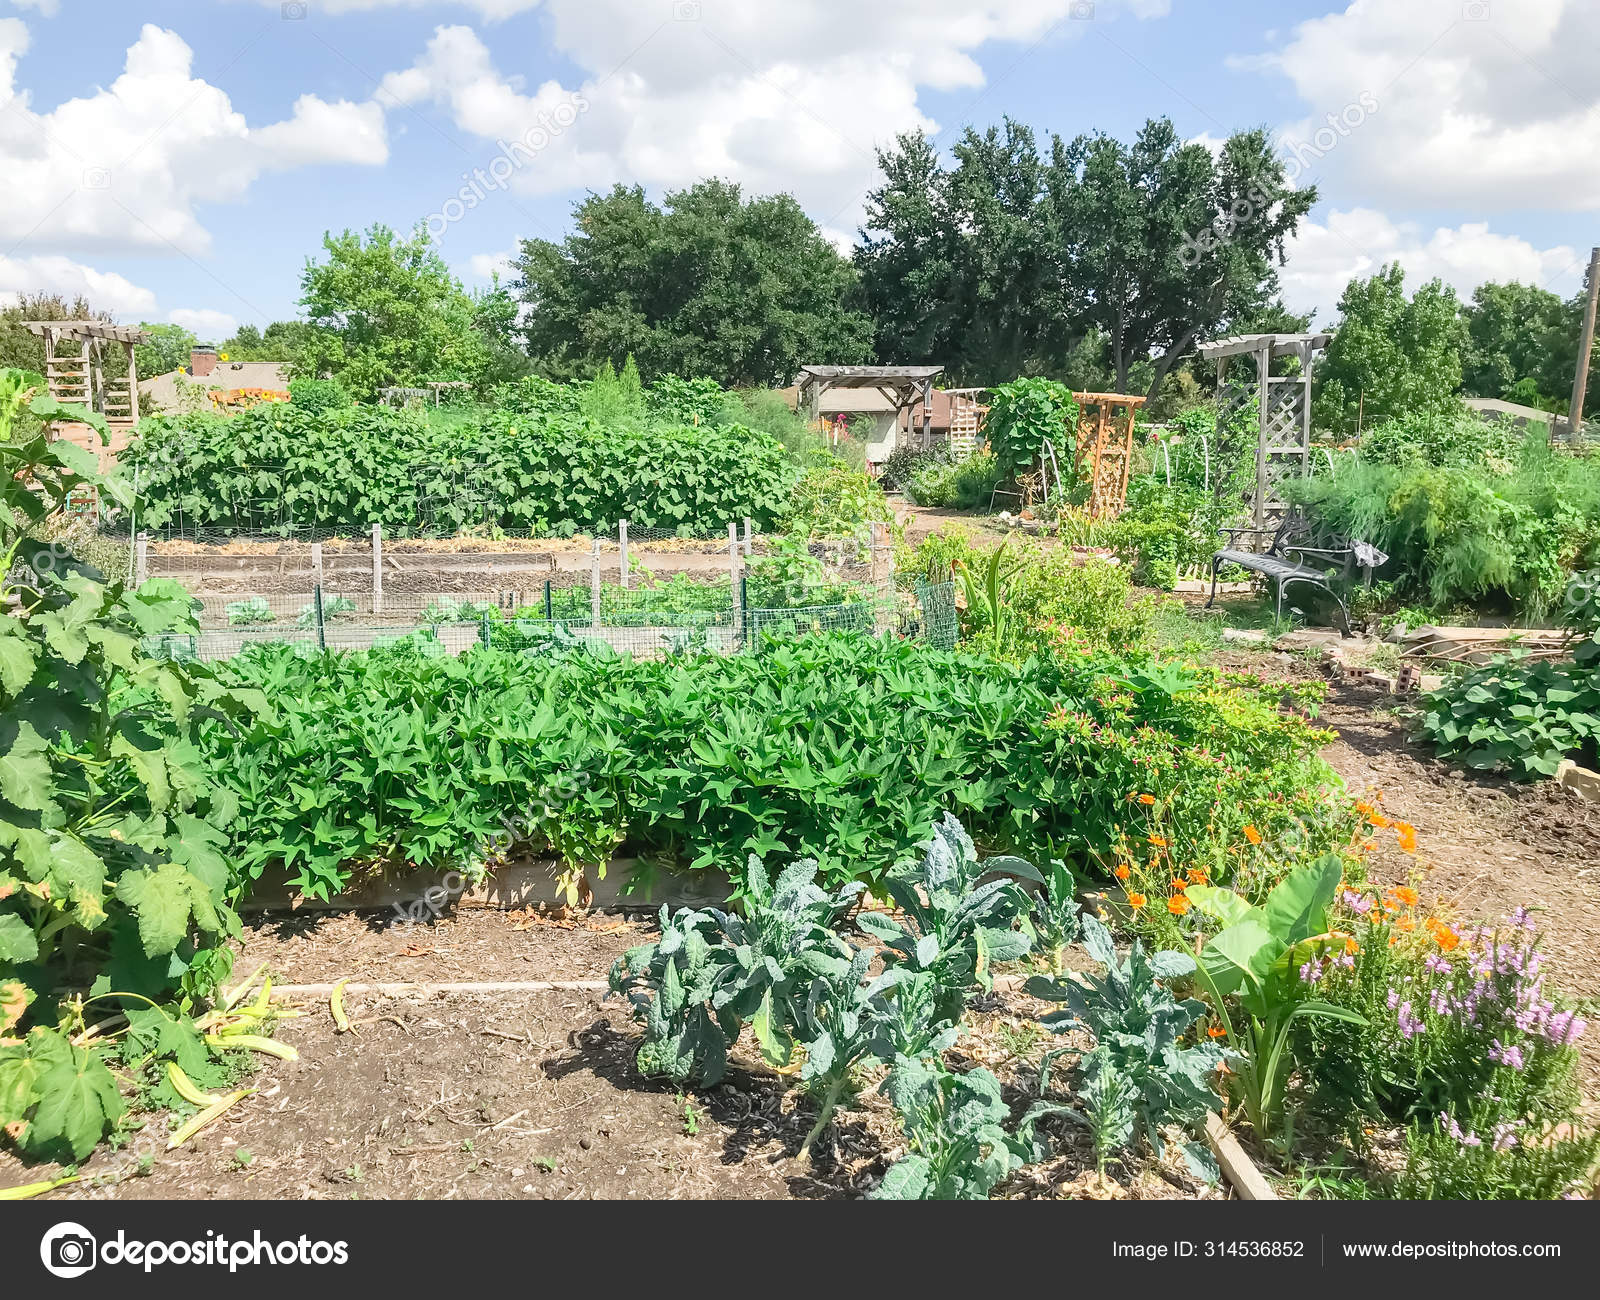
(1512, 410)
(270, 375)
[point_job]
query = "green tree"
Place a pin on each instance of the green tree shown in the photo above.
(1004, 264)
(707, 284)
(169, 349)
(1391, 355)
(22, 349)
(1512, 331)
(384, 310)
(1168, 243)
(966, 270)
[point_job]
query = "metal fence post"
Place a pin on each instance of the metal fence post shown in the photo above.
(746, 633)
(486, 632)
(316, 600)
(141, 559)
(377, 568)
(622, 541)
(594, 586)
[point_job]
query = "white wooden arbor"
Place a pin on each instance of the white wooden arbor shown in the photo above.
(1283, 440)
(904, 386)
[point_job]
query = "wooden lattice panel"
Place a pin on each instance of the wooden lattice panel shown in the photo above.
(966, 421)
(1104, 453)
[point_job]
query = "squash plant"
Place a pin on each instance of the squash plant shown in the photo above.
(110, 872)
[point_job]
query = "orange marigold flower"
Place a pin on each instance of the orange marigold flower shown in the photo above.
(1122, 872)
(1216, 1031)
(1252, 834)
(1379, 820)
(1137, 900)
(1408, 836)
(1405, 923)
(1179, 884)
(1404, 895)
(1352, 947)
(1158, 841)
(1178, 904)
(1147, 799)
(1369, 846)
(1197, 876)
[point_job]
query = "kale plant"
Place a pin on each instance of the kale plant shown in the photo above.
(1136, 1022)
(955, 928)
(712, 972)
(955, 1125)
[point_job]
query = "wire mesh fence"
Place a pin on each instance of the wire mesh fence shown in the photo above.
(638, 623)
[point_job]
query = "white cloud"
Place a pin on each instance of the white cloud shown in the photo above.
(1482, 102)
(47, 8)
(1326, 256)
(797, 104)
(123, 168)
(484, 266)
(105, 290)
(210, 326)
(489, 10)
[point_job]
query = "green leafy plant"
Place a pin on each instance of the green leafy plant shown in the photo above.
(1023, 415)
(254, 609)
(1265, 958)
(332, 607)
(955, 1126)
(111, 872)
(1137, 1065)
(955, 927)
(1056, 920)
(712, 972)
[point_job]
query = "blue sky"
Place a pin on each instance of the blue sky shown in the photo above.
(181, 160)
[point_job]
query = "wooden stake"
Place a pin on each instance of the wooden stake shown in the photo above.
(1580, 381)
(377, 568)
(622, 541)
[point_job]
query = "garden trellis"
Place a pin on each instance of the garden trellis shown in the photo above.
(1283, 446)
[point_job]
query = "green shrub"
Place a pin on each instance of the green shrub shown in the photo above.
(1458, 535)
(964, 485)
(831, 500)
(844, 748)
(317, 395)
(1461, 439)
(1022, 416)
(277, 467)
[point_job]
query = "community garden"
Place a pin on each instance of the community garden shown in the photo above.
(959, 864)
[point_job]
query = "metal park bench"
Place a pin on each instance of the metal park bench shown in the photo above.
(1285, 561)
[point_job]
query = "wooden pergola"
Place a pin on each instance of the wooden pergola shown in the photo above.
(77, 375)
(1283, 437)
(903, 386)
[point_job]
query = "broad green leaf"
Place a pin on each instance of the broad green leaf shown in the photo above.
(1298, 905)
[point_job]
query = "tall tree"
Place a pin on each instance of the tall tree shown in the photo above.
(966, 270)
(1512, 331)
(708, 283)
(1003, 265)
(1391, 355)
(1166, 242)
(385, 310)
(24, 350)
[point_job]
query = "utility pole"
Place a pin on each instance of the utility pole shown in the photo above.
(1580, 381)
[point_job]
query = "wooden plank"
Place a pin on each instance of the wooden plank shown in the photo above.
(1237, 1167)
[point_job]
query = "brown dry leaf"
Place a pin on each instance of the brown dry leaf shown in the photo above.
(1091, 1186)
(608, 929)
(414, 950)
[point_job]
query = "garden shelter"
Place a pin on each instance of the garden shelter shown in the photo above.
(903, 388)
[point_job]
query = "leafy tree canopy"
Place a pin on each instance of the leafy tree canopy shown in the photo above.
(1006, 263)
(385, 310)
(1512, 330)
(1391, 356)
(707, 284)
(170, 349)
